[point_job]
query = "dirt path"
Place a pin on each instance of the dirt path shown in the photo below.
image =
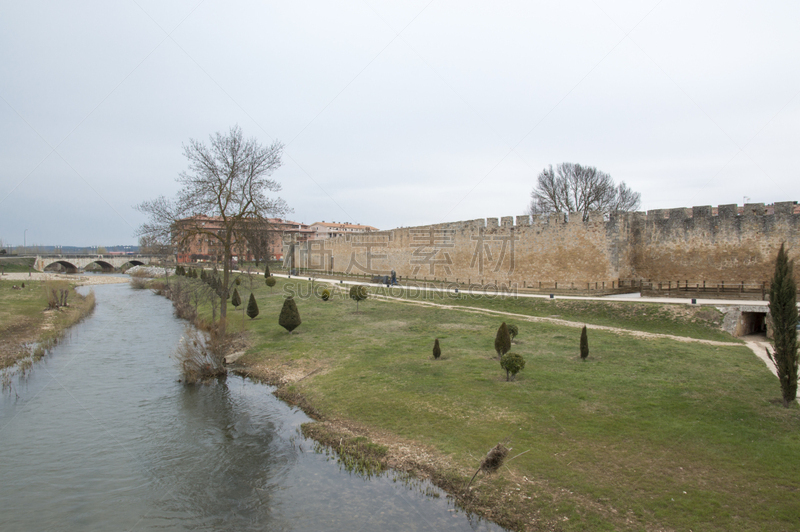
(556, 321)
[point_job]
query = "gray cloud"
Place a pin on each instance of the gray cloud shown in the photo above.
(393, 115)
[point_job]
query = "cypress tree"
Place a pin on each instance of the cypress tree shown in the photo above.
(502, 342)
(235, 299)
(266, 270)
(252, 307)
(290, 316)
(783, 309)
(437, 351)
(584, 344)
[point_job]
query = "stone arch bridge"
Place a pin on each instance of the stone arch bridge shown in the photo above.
(76, 263)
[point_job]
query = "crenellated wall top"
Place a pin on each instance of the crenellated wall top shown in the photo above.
(721, 212)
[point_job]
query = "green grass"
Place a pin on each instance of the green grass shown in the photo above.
(16, 264)
(24, 318)
(683, 320)
(645, 434)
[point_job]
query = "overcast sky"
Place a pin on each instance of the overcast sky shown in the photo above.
(393, 113)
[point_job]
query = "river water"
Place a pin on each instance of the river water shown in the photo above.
(101, 436)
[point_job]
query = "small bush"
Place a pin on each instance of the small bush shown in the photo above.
(512, 363)
(326, 294)
(358, 293)
(238, 281)
(290, 316)
(235, 299)
(252, 307)
(266, 271)
(270, 281)
(200, 355)
(584, 344)
(502, 342)
(437, 351)
(513, 331)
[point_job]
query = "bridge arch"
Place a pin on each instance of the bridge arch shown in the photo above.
(130, 264)
(103, 264)
(58, 265)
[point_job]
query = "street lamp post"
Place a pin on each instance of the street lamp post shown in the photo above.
(25, 241)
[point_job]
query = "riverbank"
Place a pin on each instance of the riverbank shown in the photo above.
(29, 324)
(651, 432)
(73, 279)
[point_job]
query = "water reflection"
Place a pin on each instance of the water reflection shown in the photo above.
(103, 437)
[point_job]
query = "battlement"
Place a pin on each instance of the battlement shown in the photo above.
(721, 212)
(703, 242)
(670, 217)
(782, 208)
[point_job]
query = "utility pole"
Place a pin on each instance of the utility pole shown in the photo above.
(25, 241)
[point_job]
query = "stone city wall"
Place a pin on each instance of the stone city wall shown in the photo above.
(696, 245)
(676, 244)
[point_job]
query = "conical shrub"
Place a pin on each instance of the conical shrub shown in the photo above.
(584, 344)
(437, 351)
(235, 299)
(290, 316)
(502, 342)
(252, 307)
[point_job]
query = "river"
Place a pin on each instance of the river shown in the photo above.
(100, 435)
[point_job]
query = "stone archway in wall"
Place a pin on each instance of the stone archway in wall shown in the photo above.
(744, 320)
(753, 323)
(61, 266)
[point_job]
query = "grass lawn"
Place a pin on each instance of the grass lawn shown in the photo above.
(683, 320)
(644, 435)
(25, 319)
(16, 264)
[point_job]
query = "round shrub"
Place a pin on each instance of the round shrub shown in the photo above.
(512, 363)
(358, 293)
(513, 331)
(326, 295)
(270, 281)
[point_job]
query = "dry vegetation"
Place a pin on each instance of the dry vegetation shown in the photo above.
(33, 318)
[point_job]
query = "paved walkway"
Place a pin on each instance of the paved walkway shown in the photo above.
(633, 298)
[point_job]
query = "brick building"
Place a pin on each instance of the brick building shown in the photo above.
(324, 230)
(263, 236)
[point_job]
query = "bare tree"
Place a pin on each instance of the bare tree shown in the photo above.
(226, 182)
(151, 245)
(584, 189)
(261, 237)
